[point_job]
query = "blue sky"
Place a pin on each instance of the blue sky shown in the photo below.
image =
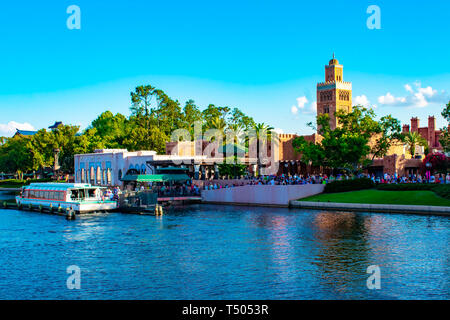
(264, 57)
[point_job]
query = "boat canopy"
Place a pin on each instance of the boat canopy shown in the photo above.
(57, 186)
(156, 177)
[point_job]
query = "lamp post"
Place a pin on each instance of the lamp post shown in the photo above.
(428, 174)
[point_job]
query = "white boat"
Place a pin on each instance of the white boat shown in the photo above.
(77, 197)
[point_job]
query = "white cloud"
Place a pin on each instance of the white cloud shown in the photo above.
(362, 100)
(408, 88)
(301, 102)
(9, 129)
(278, 130)
(389, 99)
(313, 107)
(417, 97)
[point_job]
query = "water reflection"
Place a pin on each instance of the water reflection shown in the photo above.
(342, 251)
(224, 252)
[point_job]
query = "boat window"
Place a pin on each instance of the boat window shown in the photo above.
(41, 194)
(75, 194)
(61, 195)
(25, 194)
(91, 193)
(46, 195)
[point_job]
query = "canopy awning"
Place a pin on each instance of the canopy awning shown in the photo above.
(156, 177)
(233, 149)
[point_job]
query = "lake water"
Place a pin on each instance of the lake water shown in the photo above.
(224, 252)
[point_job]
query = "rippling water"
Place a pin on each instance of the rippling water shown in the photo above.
(224, 252)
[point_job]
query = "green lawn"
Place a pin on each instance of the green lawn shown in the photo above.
(372, 196)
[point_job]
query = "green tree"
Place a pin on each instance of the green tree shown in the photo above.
(389, 132)
(167, 113)
(444, 138)
(413, 140)
(261, 137)
(212, 113)
(191, 115)
(232, 168)
(110, 128)
(239, 119)
(15, 156)
(41, 146)
(344, 148)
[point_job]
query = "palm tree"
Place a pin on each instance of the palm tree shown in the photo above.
(219, 124)
(412, 140)
(237, 130)
(262, 131)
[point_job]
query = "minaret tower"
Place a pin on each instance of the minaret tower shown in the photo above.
(334, 94)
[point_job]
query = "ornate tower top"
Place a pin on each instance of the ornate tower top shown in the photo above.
(334, 94)
(334, 71)
(334, 61)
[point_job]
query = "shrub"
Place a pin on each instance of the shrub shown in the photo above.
(349, 185)
(442, 190)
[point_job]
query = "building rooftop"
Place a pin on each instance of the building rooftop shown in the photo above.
(25, 132)
(55, 125)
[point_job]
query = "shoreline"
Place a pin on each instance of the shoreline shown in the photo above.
(381, 208)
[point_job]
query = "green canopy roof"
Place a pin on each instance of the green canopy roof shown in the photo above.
(156, 177)
(233, 148)
(172, 169)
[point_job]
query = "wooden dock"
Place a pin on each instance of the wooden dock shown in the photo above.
(181, 198)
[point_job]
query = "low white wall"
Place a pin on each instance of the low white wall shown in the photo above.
(262, 194)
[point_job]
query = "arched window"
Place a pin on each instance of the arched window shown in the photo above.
(143, 169)
(92, 175)
(120, 174)
(108, 176)
(98, 176)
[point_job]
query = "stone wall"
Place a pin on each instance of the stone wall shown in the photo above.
(261, 195)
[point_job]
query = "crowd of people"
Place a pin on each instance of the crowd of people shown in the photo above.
(412, 178)
(324, 179)
(192, 189)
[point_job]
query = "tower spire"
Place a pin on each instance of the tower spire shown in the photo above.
(333, 55)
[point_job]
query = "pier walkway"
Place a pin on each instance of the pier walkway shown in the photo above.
(179, 198)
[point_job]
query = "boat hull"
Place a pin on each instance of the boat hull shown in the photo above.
(78, 207)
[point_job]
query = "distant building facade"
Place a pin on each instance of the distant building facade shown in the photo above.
(430, 133)
(106, 167)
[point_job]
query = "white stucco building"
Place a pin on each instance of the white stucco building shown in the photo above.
(105, 167)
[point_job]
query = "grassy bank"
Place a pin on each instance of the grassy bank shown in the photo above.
(372, 196)
(15, 183)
